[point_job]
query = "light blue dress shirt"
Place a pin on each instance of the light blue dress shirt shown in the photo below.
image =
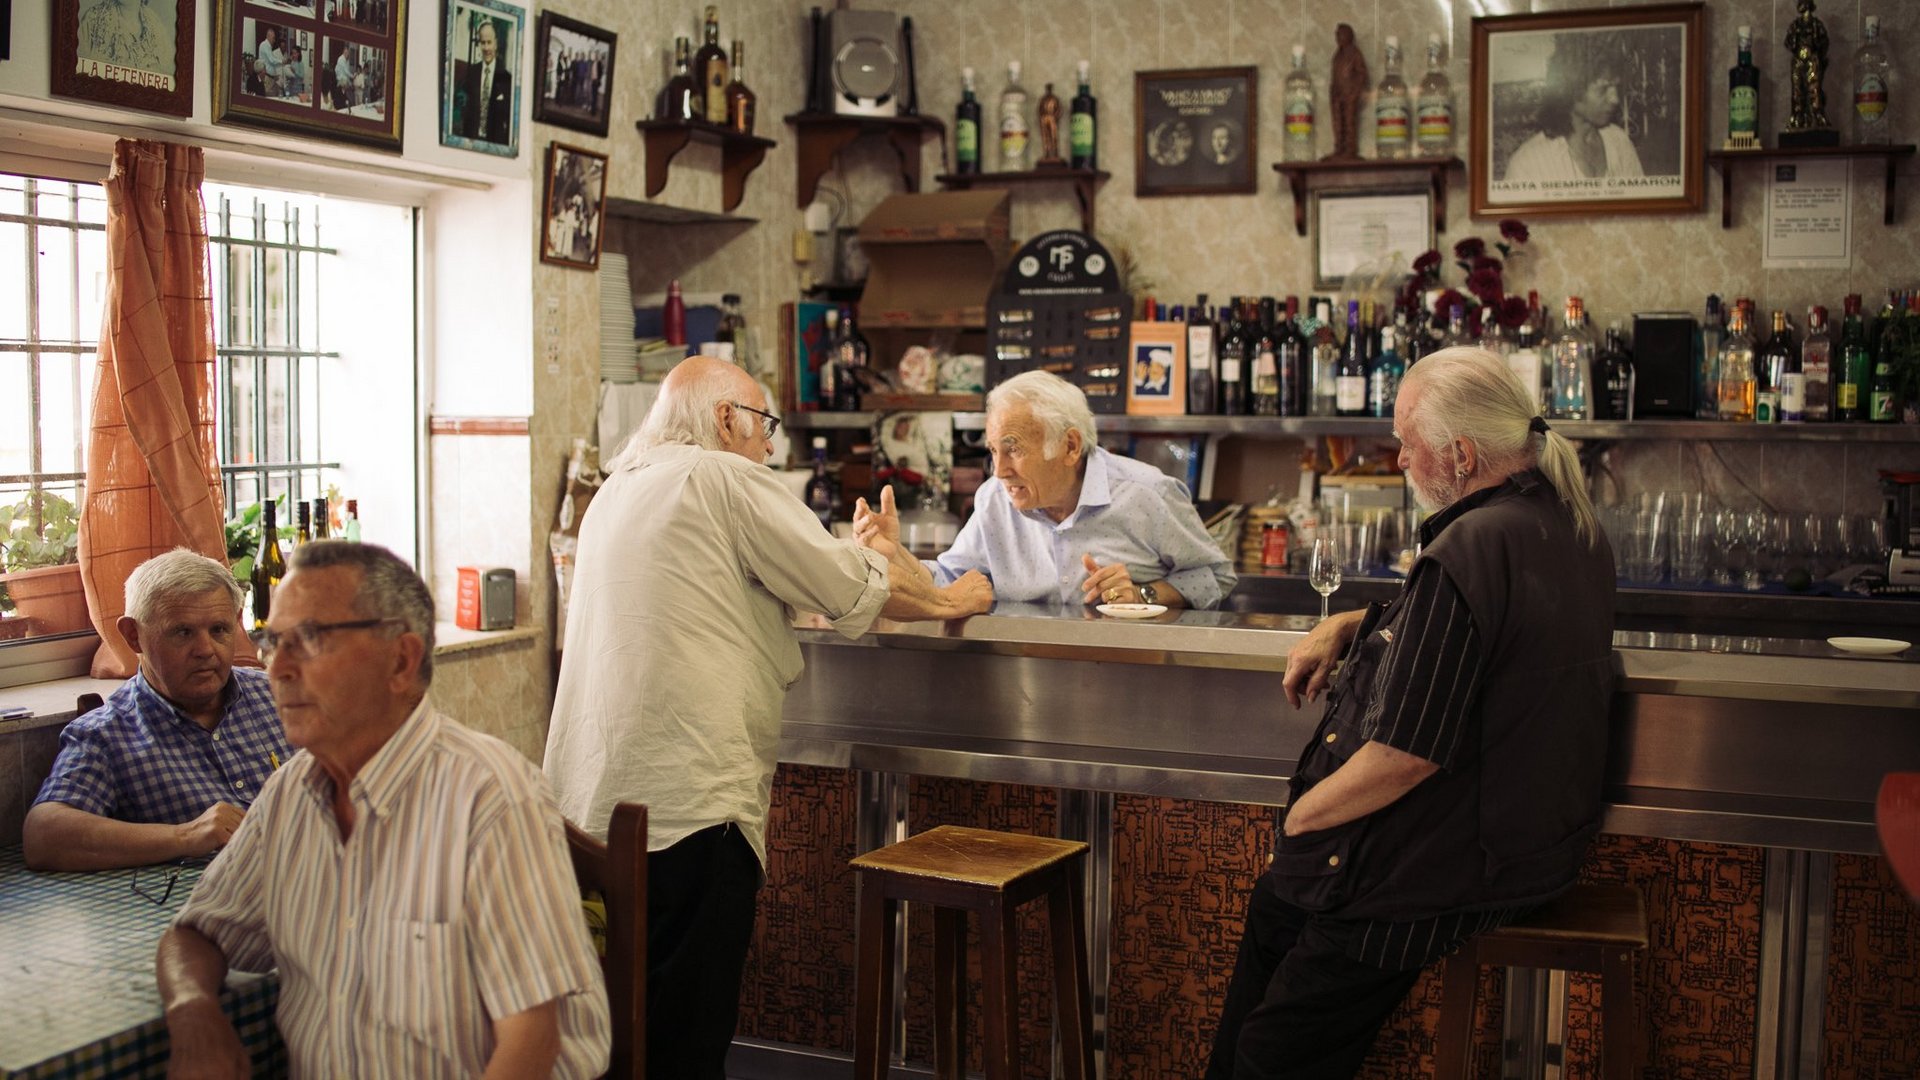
(1129, 512)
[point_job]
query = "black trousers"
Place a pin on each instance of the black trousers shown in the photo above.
(1297, 1006)
(701, 896)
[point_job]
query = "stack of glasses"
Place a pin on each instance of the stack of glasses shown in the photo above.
(617, 362)
(1667, 537)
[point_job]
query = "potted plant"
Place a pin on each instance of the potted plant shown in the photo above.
(40, 568)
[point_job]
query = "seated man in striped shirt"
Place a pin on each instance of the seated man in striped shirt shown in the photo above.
(408, 877)
(168, 766)
(1455, 780)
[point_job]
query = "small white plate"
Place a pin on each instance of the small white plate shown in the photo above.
(1875, 646)
(1131, 611)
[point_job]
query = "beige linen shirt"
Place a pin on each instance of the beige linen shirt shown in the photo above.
(452, 904)
(680, 643)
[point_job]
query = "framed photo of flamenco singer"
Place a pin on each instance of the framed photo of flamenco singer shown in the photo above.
(330, 69)
(137, 54)
(1196, 132)
(1589, 112)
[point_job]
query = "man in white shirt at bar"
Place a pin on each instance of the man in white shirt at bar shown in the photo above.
(408, 877)
(692, 561)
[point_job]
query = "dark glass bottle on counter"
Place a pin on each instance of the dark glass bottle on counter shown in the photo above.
(680, 100)
(822, 496)
(851, 352)
(1292, 358)
(1616, 374)
(1850, 379)
(1266, 363)
(1350, 381)
(1233, 362)
(322, 512)
(269, 565)
(1201, 340)
(966, 128)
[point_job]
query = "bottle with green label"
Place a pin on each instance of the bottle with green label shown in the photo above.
(1743, 97)
(1082, 141)
(966, 127)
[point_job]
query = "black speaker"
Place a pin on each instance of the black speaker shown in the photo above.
(1663, 364)
(867, 72)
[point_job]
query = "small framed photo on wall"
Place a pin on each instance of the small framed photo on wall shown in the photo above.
(1196, 132)
(480, 58)
(576, 74)
(1157, 369)
(137, 54)
(575, 205)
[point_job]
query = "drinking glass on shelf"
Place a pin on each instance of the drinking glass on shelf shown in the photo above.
(1323, 569)
(1692, 540)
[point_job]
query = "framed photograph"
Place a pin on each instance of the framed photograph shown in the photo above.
(1157, 369)
(576, 74)
(1365, 234)
(1589, 112)
(137, 54)
(479, 99)
(575, 206)
(330, 69)
(1196, 132)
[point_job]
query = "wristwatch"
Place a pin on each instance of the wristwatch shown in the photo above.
(1147, 593)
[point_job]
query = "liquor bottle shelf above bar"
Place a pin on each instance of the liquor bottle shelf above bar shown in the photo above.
(1279, 427)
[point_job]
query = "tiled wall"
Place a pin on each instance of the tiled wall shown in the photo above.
(504, 690)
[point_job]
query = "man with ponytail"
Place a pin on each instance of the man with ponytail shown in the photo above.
(1454, 781)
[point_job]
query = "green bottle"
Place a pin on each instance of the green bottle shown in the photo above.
(1850, 386)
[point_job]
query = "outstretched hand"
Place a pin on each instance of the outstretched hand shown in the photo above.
(869, 523)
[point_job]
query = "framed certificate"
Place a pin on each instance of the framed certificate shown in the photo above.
(1369, 234)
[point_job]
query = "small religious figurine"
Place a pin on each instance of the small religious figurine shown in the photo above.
(1050, 129)
(1807, 44)
(1347, 93)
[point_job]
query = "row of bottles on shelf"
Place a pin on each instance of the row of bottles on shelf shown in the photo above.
(1782, 380)
(1872, 81)
(1014, 140)
(314, 522)
(707, 85)
(1406, 123)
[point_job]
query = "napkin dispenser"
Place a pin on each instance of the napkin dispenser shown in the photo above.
(485, 599)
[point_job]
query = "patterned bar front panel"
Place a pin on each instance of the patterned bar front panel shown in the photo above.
(1873, 973)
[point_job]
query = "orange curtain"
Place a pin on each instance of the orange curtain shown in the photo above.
(153, 481)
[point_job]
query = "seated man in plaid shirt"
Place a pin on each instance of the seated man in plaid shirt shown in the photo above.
(168, 766)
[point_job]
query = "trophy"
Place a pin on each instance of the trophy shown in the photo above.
(1807, 118)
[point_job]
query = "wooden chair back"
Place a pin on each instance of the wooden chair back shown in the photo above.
(618, 869)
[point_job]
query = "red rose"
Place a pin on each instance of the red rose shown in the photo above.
(1513, 312)
(1485, 284)
(1471, 248)
(909, 477)
(1427, 263)
(1487, 262)
(1444, 304)
(1473, 323)
(1514, 229)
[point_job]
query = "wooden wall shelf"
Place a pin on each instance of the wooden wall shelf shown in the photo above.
(821, 136)
(1725, 159)
(653, 213)
(1085, 182)
(1295, 173)
(739, 154)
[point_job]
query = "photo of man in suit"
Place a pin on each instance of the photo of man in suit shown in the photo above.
(486, 111)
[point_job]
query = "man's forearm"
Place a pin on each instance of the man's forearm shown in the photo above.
(526, 1043)
(61, 837)
(190, 969)
(1376, 776)
(913, 594)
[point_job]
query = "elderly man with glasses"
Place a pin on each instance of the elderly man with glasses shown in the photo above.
(679, 650)
(168, 766)
(407, 876)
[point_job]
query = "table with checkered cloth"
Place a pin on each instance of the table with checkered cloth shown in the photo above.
(77, 994)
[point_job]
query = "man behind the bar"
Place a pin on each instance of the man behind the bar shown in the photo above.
(168, 766)
(1455, 780)
(679, 651)
(407, 876)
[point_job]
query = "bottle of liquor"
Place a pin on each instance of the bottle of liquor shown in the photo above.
(731, 331)
(830, 374)
(740, 100)
(1743, 97)
(1434, 116)
(1872, 78)
(1266, 363)
(1297, 106)
(1456, 333)
(1526, 365)
(1735, 388)
(322, 518)
(1083, 144)
(822, 498)
(1200, 359)
(1233, 362)
(1350, 382)
(1495, 338)
(1572, 364)
(303, 518)
(1014, 126)
(966, 127)
(853, 353)
(1770, 388)
(1616, 372)
(1293, 362)
(681, 98)
(1392, 109)
(269, 565)
(710, 71)
(1880, 398)
(673, 316)
(1706, 371)
(1323, 363)
(350, 528)
(1383, 383)
(1816, 367)
(1850, 379)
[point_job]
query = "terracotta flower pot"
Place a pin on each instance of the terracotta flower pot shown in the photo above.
(52, 596)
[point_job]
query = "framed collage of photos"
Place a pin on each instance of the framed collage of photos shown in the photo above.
(332, 69)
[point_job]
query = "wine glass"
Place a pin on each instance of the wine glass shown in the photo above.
(1323, 570)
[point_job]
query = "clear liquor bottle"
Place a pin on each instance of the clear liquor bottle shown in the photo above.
(966, 127)
(1572, 364)
(1872, 81)
(1083, 145)
(1383, 382)
(1433, 123)
(1706, 375)
(1743, 97)
(1526, 365)
(1392, 109)
(1297, 105)
(1735, 387)
(1015, 127)
(1816, 367)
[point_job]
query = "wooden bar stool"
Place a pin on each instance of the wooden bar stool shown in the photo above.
(957, 870)
(1589, 928)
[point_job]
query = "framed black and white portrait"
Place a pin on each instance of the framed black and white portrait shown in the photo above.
(575, 198)
(1589, 112)
(576, 74)
(480, 76)
(1195, 131)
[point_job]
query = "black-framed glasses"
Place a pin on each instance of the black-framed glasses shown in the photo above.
(158, 881)
(307, 640)
(769, 423)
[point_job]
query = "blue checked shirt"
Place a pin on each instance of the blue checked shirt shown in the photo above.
(139, 759)
(1129, 512)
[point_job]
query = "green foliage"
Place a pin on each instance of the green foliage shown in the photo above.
(56, 543)
(1900, 346)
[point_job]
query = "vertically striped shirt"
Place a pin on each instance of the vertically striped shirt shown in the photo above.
(452, 904)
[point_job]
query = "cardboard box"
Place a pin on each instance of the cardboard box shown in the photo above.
(933, 258)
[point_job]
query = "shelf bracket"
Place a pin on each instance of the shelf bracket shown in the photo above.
(1298, 182)
(1437, 179)
(817, 150)
(737, 162)
(662, 144)
(1083, 190)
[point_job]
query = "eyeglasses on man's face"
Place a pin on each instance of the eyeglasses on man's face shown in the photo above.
(307, 640)
(769, 423)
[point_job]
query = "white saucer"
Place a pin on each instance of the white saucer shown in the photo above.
(1131, 611)
(1875, 646)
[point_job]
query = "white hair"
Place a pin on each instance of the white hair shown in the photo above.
(172, 577)
(686, 413)
(1057, 404)
(1466, 392)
